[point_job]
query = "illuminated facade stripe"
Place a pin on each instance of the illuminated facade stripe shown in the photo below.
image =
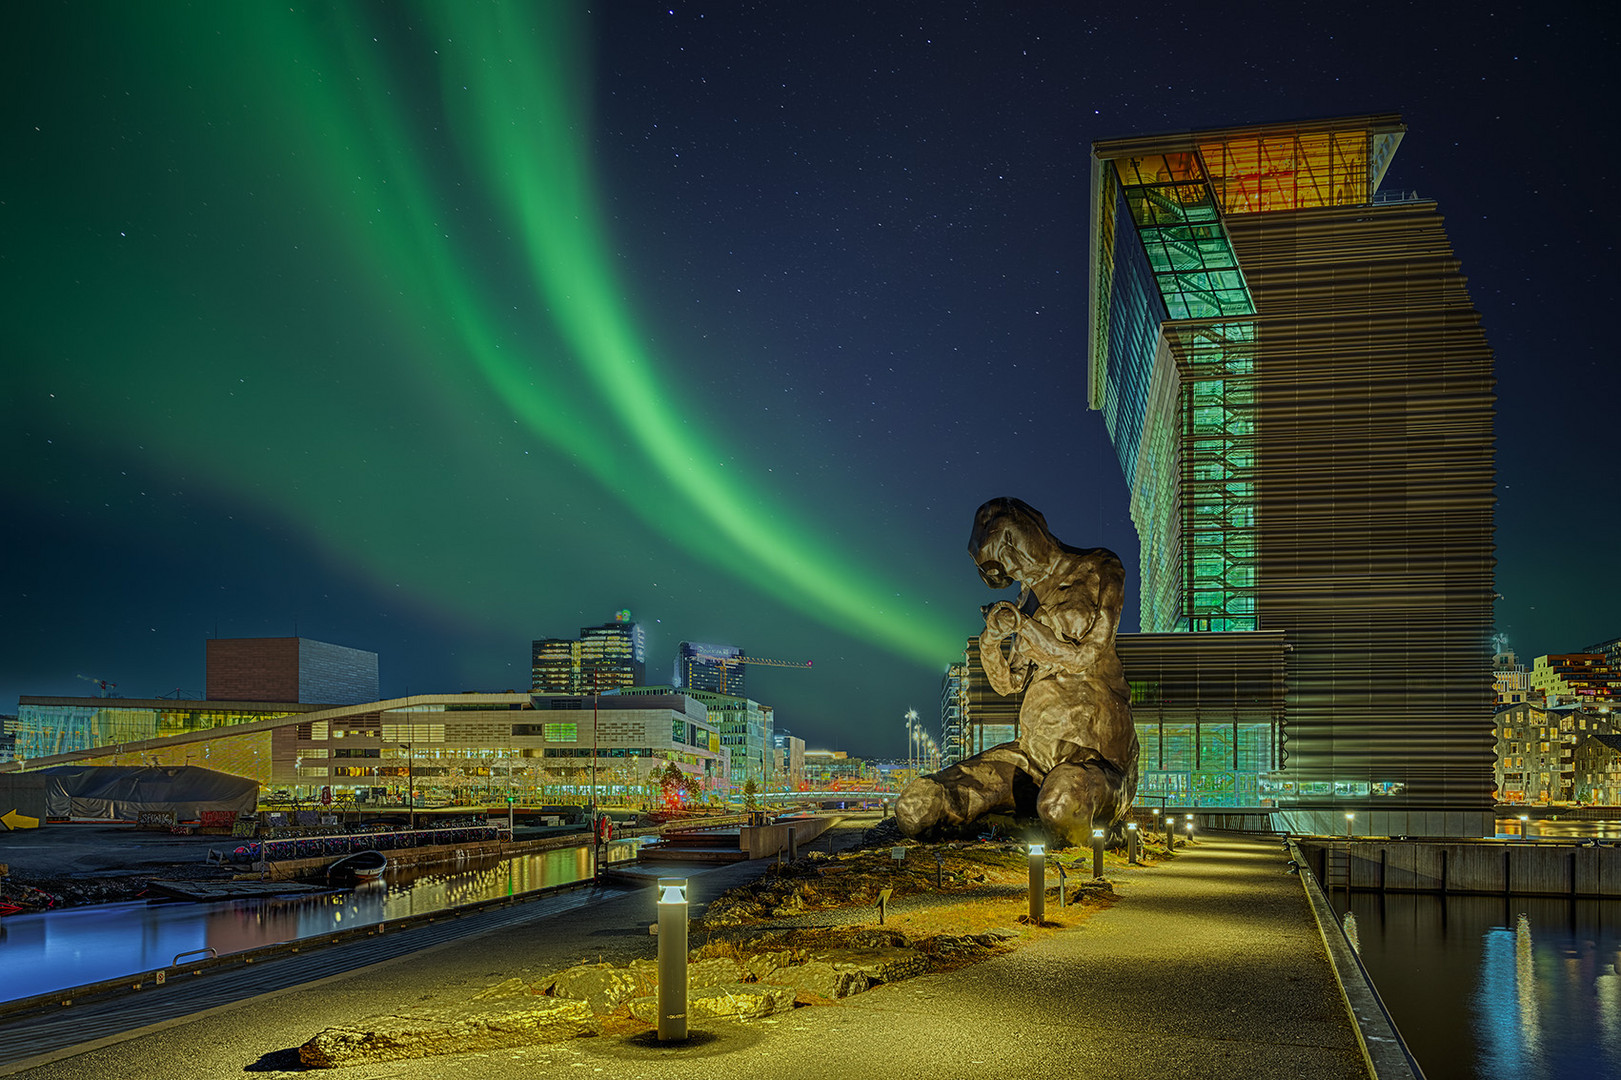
(1330, 453)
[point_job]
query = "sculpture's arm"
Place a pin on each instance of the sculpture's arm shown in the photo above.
(1005, 678)
(1077, 634)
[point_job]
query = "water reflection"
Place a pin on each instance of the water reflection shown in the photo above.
(48, 951)
(1496, 987)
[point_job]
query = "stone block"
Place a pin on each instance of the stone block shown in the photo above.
(603, 985)
(727, 1001)
(821, 978)
(391, 1038)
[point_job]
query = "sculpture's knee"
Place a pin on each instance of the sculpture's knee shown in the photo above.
(1074, 799)
(921, 806)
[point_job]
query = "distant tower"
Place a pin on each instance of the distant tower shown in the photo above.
(605, 657)
(710, 667)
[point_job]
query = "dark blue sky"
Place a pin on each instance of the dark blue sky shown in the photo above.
(304, 327)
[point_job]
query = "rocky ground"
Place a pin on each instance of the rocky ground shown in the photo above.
(805, 933)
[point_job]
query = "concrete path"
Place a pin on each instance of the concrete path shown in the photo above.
(1209, 967)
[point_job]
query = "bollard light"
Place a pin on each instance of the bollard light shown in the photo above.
(1349, 819)
(672, 962)
(1189, 828)
(1170, 831)
(1525, 825)
(1132, 840)
(1038, 882)
(1097, 853)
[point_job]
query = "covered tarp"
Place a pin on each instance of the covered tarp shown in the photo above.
(124, 792)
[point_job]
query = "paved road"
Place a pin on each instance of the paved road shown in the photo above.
(1211, 966)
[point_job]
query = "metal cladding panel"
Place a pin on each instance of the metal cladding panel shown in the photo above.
(1373, 503)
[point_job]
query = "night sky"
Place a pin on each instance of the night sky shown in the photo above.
(433, 329)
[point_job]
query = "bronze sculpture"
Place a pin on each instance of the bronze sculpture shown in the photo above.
(1076, 755)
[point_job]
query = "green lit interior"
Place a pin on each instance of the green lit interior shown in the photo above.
(1218, 488)
(1179, 221)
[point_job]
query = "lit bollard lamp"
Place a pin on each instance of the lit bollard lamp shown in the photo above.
(1170, 831)
(1133, 839)
(672, 959)
(1188, 827)
(1097, 854)
(1038, 882)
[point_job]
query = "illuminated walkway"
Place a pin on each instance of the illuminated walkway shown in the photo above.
(1211, 966)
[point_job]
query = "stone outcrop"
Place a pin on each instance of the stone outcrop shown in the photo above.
(820, 979)
(390, 1038)
(730, 1001)
(877, 965)
(603, 986)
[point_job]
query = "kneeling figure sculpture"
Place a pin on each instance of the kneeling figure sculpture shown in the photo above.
(1076, 754)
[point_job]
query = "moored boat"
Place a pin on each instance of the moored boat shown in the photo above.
(361, 866)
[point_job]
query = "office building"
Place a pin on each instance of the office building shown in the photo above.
(953, 735)
(1300, 397)
(740, 725)
(715, 668)
(1575, 678)
(603, 658)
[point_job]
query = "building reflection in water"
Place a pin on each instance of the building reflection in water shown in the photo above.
(48, 951)
(1494, 987)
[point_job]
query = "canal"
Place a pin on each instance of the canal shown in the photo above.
(1497, 988)
(48, 951)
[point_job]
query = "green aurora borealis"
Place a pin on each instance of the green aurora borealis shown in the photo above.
(453, 231)
(431, 328)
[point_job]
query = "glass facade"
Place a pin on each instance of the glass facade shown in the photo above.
(46, 729)
(1303, 414)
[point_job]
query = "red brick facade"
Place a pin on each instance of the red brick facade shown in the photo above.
(252, 669)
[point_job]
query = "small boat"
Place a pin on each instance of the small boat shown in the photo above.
(361, 866)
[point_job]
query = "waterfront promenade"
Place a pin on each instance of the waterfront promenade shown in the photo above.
(1210, 965)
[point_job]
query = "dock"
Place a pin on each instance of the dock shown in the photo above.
(208, 891)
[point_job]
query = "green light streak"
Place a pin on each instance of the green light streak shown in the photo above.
(567, 361)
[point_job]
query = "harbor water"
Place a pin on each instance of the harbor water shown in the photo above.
(1496, 987)
(43, 952)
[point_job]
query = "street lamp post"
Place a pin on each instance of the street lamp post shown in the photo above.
(914, 731)
(1038, 882)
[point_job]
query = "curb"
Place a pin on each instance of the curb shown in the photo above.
(1383, 1048)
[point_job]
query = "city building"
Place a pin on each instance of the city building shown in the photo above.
(1611, 651)
(988, 718)
(288, 669)
(450, 749)
(741, 724)
(715, 668)
(836, 770)
(423, 750)
(953, 733)
(1534, 763)
(1576, 678)
(788, 770)
(1296, 385)
(603, 658)
(1597, 770)
(1510, 681)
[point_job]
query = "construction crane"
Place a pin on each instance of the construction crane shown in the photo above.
(727, 663)
(103, 685)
